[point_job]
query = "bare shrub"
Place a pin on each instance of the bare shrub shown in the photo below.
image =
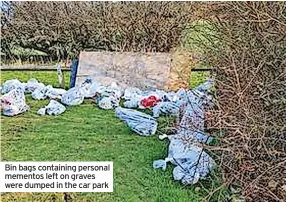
(249, 64)
(62, 29)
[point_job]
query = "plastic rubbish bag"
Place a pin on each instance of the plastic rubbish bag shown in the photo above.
(192, 172)
(14, 102)
(73, 96)
(105, 103)
(150, 101)
(44, 92)
(42, 111)
(143, 124)
(192, 163)
(54, 93)
(192, 122)
(198, 97)
(115, 101)
(179, 95)
(169, 96)
(180, 151)
(163, 95)
(32, 85)
(108, 102)
(167, 108)
(117, 91)
(53, 108)
(102, 90)
(133, 97)
(193, 117)
(201, 93)
(94, 89)
(88, 88)
(90, 91)
(112, 90)
(133, 103)
(39, 93)
(130, 93)
(160, 164)
(11, 85)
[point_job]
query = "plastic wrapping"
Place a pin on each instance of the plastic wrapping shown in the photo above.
(132, 97)
(163, 95)
(108, 102)
(179, 95)
(133, 103)
(11, 85)
(167, 108)
(14, 102)
(87, 88)
(54, 93)
(192, 163)
(32, 85)
(105, 103)
(112, 90)
(39, 93)
(143, 124)
(130, 93)
(94, 88)
(42, 111)
(192, 122)
(53, 108)
(160, 164)
(150, 101)
(193, 171)
(180, 151)
(73, 96)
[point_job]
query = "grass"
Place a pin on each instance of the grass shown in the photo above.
(86, 133)
(47, 77)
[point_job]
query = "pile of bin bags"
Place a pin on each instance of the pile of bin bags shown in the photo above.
(159, 101)
(185, 151)
(192, 163)
(13, 101)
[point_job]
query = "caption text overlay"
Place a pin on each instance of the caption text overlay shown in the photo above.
(56, 176)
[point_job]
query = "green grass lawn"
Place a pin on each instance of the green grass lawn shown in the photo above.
(86, 133)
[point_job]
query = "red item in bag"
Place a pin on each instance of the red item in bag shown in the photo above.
(150, 101)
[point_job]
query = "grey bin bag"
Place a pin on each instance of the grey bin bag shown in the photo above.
(143, 124)
(168, 108)
(192, 163)
(53, 108)
(11, 85)
(14, 102)
(39, 93)
(32, 84)
(73, 96)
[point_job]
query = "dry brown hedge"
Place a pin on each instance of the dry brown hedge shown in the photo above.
(250, 80)
(62, 29)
